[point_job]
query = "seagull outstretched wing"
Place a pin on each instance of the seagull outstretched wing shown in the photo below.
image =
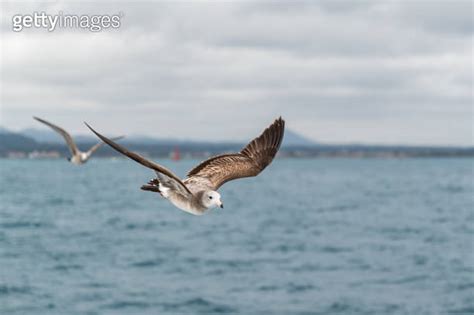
(140, 159)
(70, 142)
(98, 145)
(250, 161)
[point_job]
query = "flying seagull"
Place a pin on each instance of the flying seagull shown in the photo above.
(198, 191)
(77, 157)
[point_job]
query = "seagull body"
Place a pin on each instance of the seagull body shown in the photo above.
(77, 156)
(198, 191)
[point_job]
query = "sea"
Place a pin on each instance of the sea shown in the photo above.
(307, 236)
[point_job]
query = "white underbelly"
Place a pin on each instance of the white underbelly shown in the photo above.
(185, 206)
(178, 201)
(76, 160)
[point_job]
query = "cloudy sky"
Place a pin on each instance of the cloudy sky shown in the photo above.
(389, 72)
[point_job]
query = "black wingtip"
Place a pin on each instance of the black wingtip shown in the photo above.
(282, 121)
(95, 132)
(88, 126)
(41, 120)
(279, 122)
(117, 138)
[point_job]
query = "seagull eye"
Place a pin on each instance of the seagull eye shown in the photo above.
(210, 197)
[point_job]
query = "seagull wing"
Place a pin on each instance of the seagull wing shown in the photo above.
(249, 162)
(70, 142)
(98, 145)
(140, 159)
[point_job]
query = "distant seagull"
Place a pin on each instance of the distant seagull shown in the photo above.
(197, 193)
(77, 157)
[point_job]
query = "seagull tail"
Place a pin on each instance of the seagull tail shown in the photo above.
(153, 185)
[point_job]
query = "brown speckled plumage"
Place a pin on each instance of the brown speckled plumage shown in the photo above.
(209, 175)
(250, 161)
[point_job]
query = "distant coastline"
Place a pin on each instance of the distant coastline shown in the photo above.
(20, 146)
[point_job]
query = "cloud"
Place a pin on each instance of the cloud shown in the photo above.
(339, 71)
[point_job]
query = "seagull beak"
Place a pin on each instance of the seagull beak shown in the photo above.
(222, 205)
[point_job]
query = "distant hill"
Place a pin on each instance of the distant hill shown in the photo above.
(49, 136)
(158, 141)
(4, 131)
(15, 142)
(293, 139)
(294, 145)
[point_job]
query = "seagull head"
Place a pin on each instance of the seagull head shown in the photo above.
(211, 199)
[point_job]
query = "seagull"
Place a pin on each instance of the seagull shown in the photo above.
(197, 193)
(77, 157)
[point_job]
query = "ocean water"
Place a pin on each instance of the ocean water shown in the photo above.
(340, 236)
